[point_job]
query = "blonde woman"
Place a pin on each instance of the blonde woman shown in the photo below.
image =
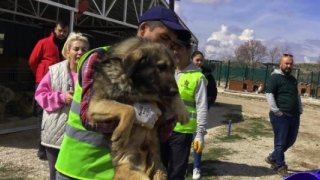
(54, 95)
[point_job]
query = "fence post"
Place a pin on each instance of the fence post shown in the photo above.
(317, 84)
(265, 77)
(227, 76)
(311, 83)
(220, 70)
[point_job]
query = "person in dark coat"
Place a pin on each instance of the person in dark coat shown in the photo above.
(197, 59)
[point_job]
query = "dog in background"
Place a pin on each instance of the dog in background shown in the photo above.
(135, 70)
(6, 95)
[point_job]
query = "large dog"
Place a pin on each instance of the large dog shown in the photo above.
(135, 70)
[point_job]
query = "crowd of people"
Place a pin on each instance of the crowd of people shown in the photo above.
(75, 148)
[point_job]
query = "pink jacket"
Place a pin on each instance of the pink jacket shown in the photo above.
(50, 100)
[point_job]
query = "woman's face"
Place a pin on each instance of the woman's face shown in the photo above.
(198, 60)
(76, 50)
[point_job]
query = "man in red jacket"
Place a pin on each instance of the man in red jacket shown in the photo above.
(46, 53)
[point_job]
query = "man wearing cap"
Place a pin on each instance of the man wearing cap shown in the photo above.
(192, 86)
(84, 153)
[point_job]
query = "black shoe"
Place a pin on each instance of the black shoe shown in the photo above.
(270, 161)
(282, 171)
(42, 155)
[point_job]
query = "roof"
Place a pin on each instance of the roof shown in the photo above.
(118, 18)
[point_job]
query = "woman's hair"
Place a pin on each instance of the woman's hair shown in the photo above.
(196, 53)
(73, 36)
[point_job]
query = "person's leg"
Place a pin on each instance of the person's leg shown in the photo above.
(196, 158)
(293, 131)
(52, 155)
(41, 149)
(164, 153)
(280, 126)
(179, 150)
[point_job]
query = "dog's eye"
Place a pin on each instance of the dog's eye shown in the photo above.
(162, 66)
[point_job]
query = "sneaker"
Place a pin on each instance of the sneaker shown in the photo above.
(196, 173)
(270, 161)
(283, 170)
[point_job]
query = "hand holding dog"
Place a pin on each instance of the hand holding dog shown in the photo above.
(147, 114)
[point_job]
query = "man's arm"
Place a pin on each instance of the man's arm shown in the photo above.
(35, 57)
(201, 105)
(272, 103)
(300, 105)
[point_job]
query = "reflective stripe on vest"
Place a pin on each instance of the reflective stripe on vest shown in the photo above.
(87, 137)
(75, 107)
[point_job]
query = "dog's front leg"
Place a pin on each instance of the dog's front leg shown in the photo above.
(155, 169)
(103, 110)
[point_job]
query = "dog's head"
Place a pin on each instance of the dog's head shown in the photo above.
(147, 67)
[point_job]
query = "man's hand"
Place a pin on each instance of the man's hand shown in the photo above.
(147, 114)
(69, 97)
(278, 114)
(198, 143)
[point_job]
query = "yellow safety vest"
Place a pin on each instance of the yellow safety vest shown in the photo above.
(83, 154)
(187, 85)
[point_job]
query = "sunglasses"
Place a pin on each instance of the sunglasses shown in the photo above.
(287, 55)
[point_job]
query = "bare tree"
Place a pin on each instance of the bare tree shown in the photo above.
(251, 52)
(274, 54)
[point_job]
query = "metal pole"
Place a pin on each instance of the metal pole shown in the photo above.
(171, 4)
(227, 77)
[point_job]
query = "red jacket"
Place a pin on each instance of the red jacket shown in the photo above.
(44, 54)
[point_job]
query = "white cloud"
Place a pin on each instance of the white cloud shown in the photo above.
(306, 59)
(222, 43)
(246, 35)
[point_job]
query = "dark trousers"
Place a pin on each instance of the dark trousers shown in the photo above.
(39, 113)
(285, 129)
(175, 153)
(52, 155)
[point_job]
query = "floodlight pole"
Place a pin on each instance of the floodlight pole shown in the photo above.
(171, 5)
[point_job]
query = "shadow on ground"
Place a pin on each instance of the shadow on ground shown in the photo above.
(213, 168)
(220, 113)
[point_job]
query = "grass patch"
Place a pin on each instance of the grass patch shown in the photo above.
(216, 153)
(253, 127)
(231, 138)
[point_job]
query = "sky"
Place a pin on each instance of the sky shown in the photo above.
(222, 25)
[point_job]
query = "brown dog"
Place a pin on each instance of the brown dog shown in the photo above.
(135, 70)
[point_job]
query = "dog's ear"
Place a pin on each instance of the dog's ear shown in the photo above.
(131, 61)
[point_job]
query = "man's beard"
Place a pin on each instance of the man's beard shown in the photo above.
(288, 72)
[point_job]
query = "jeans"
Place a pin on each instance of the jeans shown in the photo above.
(285, 129)
(196, 157)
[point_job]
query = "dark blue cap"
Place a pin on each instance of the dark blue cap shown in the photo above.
(164, 15)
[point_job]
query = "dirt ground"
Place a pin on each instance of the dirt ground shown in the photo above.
(18, 150)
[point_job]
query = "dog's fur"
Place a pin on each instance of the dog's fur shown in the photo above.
(135, 70)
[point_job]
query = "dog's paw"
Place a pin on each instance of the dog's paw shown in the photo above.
(120, 139)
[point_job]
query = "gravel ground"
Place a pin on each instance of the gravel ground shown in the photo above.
(18, 158)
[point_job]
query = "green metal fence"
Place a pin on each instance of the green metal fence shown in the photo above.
(224, 71)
